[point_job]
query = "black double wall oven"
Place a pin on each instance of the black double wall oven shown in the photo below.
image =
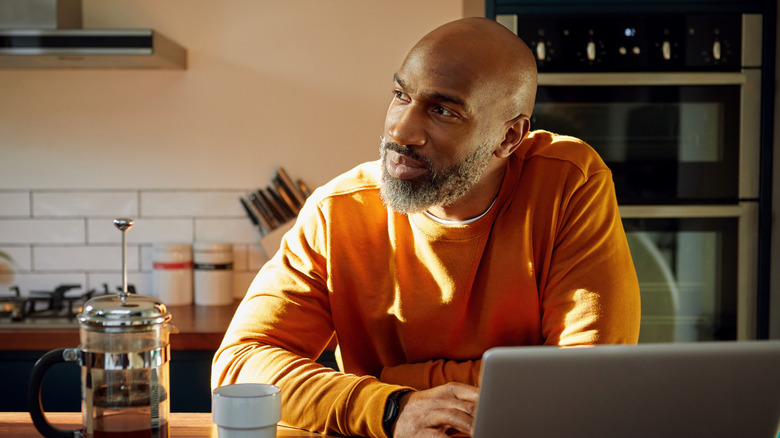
(671, 102)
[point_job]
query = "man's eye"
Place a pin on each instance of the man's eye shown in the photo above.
(400, 95)
(443, 111)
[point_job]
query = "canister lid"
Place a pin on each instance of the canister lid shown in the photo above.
(135, 312)
(212, 247)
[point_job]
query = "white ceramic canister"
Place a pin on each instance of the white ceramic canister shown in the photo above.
(172, 273)
(213, 273)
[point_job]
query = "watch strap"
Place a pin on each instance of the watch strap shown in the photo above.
(392, 409)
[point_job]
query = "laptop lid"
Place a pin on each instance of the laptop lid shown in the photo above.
(708, 389)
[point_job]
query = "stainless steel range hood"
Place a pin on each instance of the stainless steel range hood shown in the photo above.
(48, 34)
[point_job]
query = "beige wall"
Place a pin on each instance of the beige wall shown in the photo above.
(292, 83)
(299, 84)
(473, 8)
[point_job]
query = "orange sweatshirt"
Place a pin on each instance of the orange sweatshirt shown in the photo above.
(414, 303)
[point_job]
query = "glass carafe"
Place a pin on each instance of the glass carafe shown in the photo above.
(123, 354)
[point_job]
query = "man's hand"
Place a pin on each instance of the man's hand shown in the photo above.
(434, 412)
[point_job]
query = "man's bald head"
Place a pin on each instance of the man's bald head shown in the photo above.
(496, 61)
(462, 101)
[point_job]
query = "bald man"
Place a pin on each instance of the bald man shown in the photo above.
(470, 232)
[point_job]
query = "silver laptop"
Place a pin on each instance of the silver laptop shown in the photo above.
(710, 389)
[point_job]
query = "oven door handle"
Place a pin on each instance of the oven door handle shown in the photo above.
(619, 79)
(683, 211)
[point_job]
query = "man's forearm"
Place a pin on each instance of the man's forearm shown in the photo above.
(314, 397)
(426, 375)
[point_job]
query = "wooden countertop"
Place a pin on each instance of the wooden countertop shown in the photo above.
(19, 424)
(200, 328)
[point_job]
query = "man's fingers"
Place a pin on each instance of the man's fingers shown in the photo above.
(435, 411)
(465, 407)
(457, 419)
(463, 392)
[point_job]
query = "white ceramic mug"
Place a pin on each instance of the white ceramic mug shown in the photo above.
(244, 410)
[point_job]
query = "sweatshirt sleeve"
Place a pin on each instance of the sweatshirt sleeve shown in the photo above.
(433, 373)
(591, 293)
(282, 326)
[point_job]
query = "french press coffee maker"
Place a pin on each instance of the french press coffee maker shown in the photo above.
(123, 354)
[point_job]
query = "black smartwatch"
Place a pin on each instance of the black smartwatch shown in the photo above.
(392, 409)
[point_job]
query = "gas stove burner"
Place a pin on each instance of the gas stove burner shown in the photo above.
(58, 306)
(12, 306)
(55, 302)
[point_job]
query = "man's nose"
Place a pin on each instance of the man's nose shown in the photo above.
(406, 126)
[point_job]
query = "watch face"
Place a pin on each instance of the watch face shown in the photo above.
(391, 408)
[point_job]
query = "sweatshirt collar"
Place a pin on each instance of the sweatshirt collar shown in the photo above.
(439, 229)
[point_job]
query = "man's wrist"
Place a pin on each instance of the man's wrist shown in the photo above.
(392, 409)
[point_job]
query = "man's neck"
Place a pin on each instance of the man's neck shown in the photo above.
(476, 201)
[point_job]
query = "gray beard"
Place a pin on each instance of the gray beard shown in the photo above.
(437, 186)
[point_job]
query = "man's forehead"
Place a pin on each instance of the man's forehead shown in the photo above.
(436, 93)
(442, 77)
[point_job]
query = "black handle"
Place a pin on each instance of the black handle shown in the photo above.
(34, 391)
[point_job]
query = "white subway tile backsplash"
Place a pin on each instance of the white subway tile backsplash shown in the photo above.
(108, 204)
(68, 236)
(239, 257)
(86, 258)
(143, 231)
(43, 231)
(143, 283)
(15, 204)
(140, 280)
(225, 230)
(147, 258)
(191, 203)
(21, 258)
(256, 257)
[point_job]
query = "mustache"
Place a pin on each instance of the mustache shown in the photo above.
(405, 150)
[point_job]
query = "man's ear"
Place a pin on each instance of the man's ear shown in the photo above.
(515, 134)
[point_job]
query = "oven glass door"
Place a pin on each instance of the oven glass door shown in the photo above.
(665, 144)
(687, 270)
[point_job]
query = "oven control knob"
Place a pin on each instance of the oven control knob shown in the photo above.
(541, 51)
(591, 51)
(666, 50)
(716, 50)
